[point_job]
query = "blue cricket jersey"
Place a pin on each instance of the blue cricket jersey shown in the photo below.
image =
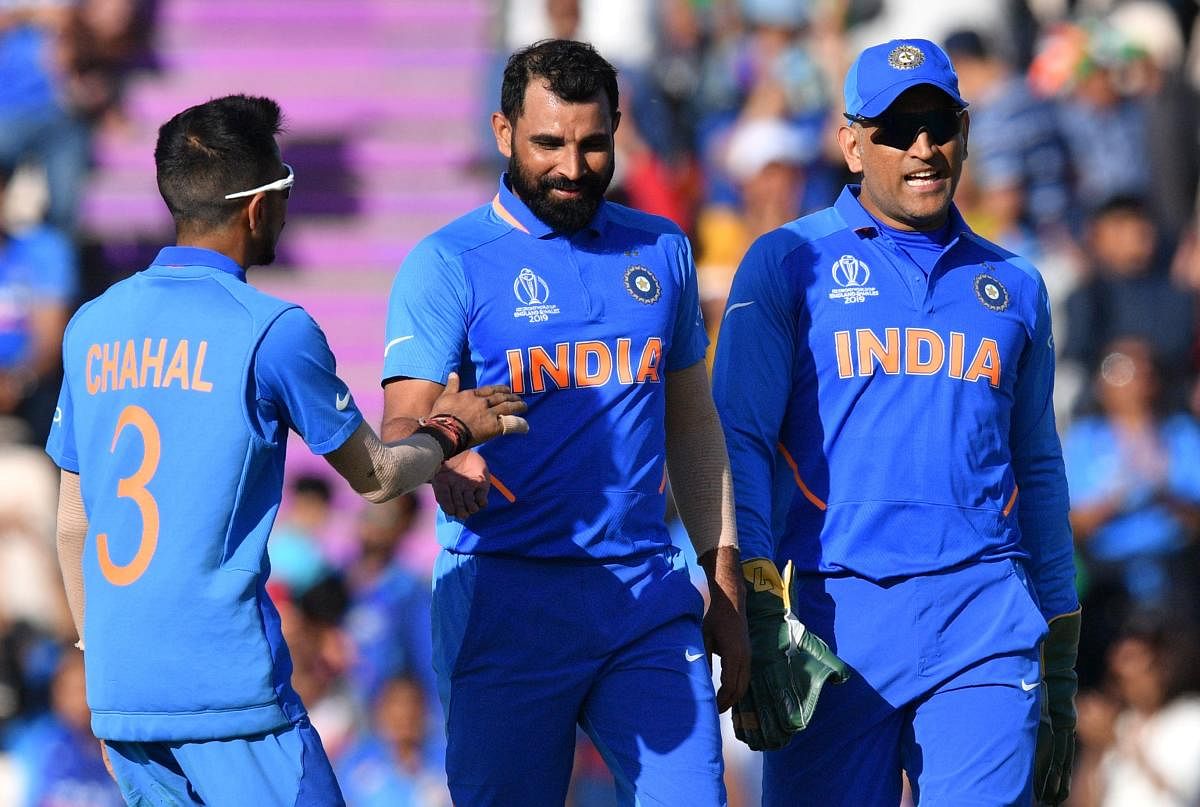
(180, 384)
(887, 424)
(584, 327)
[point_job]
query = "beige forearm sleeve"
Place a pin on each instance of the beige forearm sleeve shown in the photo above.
(697, 462)
(70, 535)
(379, 471)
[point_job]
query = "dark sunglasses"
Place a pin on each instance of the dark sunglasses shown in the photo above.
(899, 130)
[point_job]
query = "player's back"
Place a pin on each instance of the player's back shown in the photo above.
(180, 486)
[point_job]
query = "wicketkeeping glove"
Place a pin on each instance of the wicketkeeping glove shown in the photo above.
(788, 663)
(1056, 731)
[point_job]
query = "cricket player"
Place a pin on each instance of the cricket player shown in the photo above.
(884, 377)
(562, 602)
(180, 386)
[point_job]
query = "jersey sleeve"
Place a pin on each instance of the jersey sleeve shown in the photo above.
(294, 370)
(427, 317)
(751, 386)
(60, 444)
(1037, 460)
(689, 342)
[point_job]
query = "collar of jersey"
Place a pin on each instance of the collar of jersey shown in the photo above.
(174, 257)
(513, 211)
(860, 221)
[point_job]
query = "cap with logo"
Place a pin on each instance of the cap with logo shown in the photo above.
(882, 72)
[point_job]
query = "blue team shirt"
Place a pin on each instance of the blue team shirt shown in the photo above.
(585, 328)
(886, 423)
(180, 385)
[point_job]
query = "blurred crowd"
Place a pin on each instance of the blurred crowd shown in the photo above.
(1084, 157)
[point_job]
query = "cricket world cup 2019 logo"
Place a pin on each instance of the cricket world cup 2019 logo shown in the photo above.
(533, 293)
(529, 288)
(851, 276)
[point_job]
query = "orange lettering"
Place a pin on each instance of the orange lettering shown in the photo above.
(986, 363)
(178, 368)
(93, 381)
(516, 371)
(958, 351)
(915, 341)
(558, 370)
(154, 360)
(841, 345)
(108, 366)
(651, 355)
(129, 370)
(199, 384)
(870, 349)
(584, 376)
(624, 367)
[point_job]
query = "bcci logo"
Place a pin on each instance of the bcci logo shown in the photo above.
(529, 288)
(642, 285)
(906, 57)
(991, 292)
(852, 275)
(532, 292)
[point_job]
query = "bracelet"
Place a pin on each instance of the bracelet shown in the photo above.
(450, 432)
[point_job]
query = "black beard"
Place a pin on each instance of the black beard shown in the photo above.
(564, 215)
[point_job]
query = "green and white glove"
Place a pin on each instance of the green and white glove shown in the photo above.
(788, 663)
(1056, 731)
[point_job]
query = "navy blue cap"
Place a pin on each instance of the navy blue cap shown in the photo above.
(882, 72)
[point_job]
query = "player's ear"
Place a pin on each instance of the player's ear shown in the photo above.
(502, 129)
(848, 141)
(256, 211)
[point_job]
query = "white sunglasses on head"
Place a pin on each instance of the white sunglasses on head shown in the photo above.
(277, 185)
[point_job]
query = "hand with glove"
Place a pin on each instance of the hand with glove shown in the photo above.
(1056, 731)
(788, 663)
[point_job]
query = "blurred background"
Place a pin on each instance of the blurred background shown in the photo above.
(1084, 154)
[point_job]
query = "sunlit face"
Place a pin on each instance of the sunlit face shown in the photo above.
(560, 155)
(907, 188)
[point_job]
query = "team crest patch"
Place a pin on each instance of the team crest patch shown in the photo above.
(906, 57)
(641, 283)
(991, 292)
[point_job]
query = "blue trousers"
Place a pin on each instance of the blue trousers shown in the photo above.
(285, 768)
(945, 687)
(526, 650)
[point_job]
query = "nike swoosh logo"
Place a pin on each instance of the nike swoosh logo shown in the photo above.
(736, 306)
(1030, 687)
(687, 654)
(341, 403)
(395, 342)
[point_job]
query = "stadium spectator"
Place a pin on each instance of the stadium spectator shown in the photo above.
(59, 761)
(1154, 74)
(395, 763)
(36, 120)
(766, 157)
(38, 283)
(295, 545)
(1134, 475)
(388, 622)
(1019, 165)
(1140, 740)
(1127, 292)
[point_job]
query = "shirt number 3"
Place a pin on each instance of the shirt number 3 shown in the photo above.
(134, 487)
